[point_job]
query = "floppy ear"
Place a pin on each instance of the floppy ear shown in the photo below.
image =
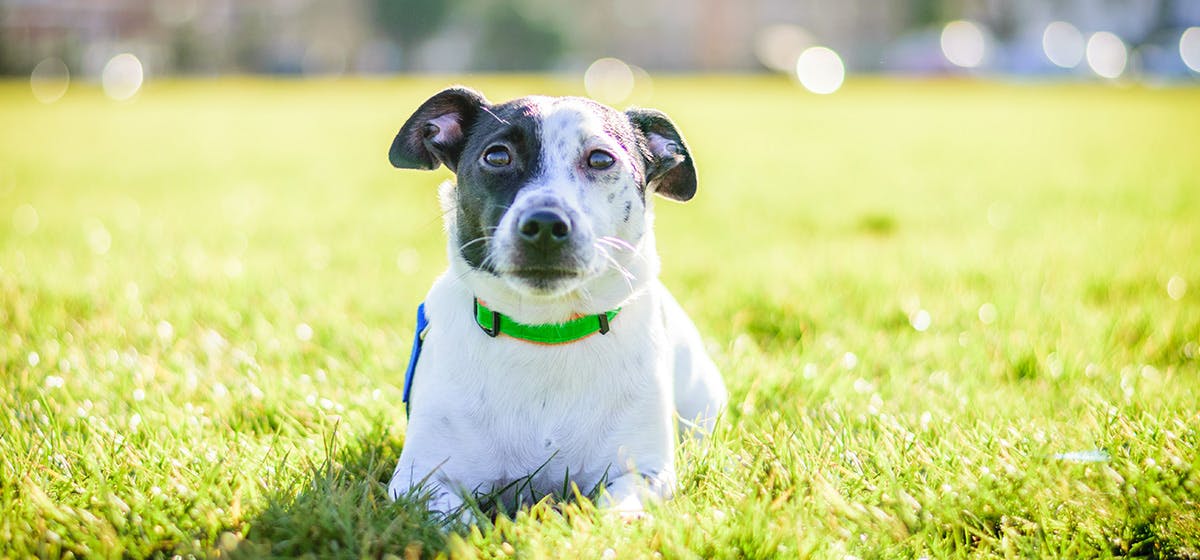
(669, 168)
(437, 131)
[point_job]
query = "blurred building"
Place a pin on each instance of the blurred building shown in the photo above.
(384, 36)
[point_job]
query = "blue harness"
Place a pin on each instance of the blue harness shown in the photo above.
(418, 341)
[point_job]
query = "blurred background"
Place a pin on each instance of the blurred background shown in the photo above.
(123, 43)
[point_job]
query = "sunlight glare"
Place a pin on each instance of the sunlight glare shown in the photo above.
(963, 43)
(122, 77)
(1063, 44)
(820, 70)
(1189, 48)
(50, 80)
(609, 80)
(778, 46)
(1106, 55)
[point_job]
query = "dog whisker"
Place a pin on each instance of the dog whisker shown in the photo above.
(482, 238)
(612, 239)
(608, 256)
(621, 244)
(498, 119)
(625, 274)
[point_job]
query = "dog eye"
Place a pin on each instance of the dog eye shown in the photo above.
(600, 159)
(497, 156)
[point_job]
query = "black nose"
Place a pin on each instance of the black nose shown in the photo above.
(544, 225)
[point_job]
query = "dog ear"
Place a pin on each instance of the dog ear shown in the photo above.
(669, 168)
(437, 131)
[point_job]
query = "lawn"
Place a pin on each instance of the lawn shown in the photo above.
(956, 319)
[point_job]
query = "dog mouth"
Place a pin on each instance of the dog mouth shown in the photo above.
(544, 279)
(539, 274)
(547, 271)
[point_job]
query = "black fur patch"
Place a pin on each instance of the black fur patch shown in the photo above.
(485, 192)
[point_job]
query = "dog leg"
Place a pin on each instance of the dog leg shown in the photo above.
(627, 494)
(700, 394)
(442, 498)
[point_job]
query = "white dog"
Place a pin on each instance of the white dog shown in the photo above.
(550, 357)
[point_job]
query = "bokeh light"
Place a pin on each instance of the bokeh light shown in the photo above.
(609, 80)
(779, 46)
(820, 70)
(25, 219)
(643, 86)
(964, 44)
(50, 80)
(324, 57)
(1176, 287)
(1063, 44)
(1107, 55)
(122, 77)
(176, 12)
(1189, 48)
(987, 313)
(920, 320)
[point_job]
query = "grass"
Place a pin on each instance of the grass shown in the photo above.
(921, 294)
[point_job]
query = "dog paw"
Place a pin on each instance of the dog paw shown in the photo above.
(634, 516)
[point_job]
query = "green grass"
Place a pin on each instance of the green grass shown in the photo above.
(202, 338)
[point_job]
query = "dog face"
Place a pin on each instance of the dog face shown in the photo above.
(550, 192)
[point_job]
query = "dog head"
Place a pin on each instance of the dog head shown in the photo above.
(552, 194)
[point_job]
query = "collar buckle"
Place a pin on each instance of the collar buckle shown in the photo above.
(495, 330)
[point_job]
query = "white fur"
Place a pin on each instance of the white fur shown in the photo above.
(491, 411)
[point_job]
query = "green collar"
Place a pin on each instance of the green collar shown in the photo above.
(493, 323)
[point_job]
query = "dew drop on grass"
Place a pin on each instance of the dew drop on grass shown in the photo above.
(34, 359)
(212, 341)
(25, 219)
(1054, 365)
(1176, 288)
(987, 313)
(54, 381)
(97, 237)
(849, 360)
(139, 395)
(304, 332)
(863, 386)
(920, 320)
(165, 331)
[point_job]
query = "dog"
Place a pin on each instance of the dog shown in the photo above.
(549, 359)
